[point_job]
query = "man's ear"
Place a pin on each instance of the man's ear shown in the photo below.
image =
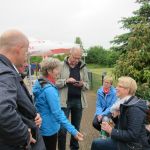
(15, 50)
(18, 49)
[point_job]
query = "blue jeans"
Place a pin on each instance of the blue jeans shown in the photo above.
(75, 109)
(104, 144)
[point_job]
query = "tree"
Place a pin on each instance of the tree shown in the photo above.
(135, 49)
(96, 55)
(78, 41)
(99, 55)
(111, 57)
(36, 59)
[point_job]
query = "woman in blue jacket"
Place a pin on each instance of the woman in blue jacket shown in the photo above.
(47, 102)
(106, 96)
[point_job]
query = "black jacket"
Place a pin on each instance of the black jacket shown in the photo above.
(130, 128)
(17, 112)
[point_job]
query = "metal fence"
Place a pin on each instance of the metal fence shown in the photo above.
(95, 81)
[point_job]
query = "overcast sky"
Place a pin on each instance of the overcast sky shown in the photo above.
(94, 21)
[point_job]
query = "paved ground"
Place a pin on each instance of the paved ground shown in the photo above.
(86, 125)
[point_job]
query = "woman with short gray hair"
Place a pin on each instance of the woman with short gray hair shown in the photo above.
(47, 102)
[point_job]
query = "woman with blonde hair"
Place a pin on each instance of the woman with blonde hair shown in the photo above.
(106, 96)
(129, 132)
(47, 102)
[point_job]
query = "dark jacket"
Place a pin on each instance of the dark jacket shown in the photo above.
(130, 128)
(17, 111)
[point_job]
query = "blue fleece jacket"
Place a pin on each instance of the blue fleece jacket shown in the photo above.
(104, 102)
(47, 102)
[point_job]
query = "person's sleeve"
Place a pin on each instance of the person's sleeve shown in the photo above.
(99, 108)
(60, 83)
(112, 101)
(86, 85)
(12, 128)
(54, 104)
(134, 125)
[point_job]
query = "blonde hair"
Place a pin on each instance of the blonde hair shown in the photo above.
(128, 82)
(108, 78)
(49, 64)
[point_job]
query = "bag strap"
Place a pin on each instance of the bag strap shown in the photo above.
(42, 82)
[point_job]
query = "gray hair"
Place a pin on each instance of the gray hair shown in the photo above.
(49, 64)
(76, 49)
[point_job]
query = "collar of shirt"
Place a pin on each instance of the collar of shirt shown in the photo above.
(15, 68)
(125, 99)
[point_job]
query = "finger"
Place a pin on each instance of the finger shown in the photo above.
(80, 134)
(37, 117)
(33, 140)
(80, 138)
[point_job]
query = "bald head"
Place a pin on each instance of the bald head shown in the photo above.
(14, 45)
(11, 39)
(75, 56)
(76, 50)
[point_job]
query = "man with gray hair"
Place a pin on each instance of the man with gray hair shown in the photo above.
(72, 83)
(19, 122)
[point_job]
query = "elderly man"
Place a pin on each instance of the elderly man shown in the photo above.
(129, 132)
(73, 82)
(19, 121)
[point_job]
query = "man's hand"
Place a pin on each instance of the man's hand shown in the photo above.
(70, 80)
(78, 84)
(79, 136)
(38, 120)
(32, 140)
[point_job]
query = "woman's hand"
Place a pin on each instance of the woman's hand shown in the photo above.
(79, 136)
(116, 113)
(106, 127)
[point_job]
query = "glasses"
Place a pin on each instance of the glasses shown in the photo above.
(120, 86)
(76, 58)
(105, 82)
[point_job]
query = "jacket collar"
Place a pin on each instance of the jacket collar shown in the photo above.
(81, 63)
(131, 101)
(7, 62)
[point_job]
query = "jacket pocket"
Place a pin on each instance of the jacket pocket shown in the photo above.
(134, 146)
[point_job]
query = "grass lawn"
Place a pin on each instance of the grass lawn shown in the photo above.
(96, 79)
(99, 70)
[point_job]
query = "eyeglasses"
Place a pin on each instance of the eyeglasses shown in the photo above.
(105, 82)
(76, 58)
(120, 86)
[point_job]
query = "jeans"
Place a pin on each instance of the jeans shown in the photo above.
(104, 144)
(75, 108)
(96, 124)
